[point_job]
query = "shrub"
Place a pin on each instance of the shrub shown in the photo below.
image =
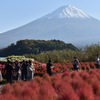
(47, 92)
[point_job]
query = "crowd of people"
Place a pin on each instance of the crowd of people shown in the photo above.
(16, 71)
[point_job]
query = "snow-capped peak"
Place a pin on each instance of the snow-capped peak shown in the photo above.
(67, 12)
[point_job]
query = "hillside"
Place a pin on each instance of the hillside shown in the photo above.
(35, 47)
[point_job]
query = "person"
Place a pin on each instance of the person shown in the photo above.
(97, 61)
(76, 63)
(24, 70)
(17, 71)
(49, 66)
(30, 70)
(1, 78)
(9, 72)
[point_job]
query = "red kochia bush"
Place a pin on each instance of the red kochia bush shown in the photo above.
(38, 79)
(66, 77)
(76, 84)
(35, 86)
(64, 90)
(96, 88)
(8, 96)
(85, 92)
(7, 89)
(29, 92)
(47, 78)
(75, 75)
(47, 92)
(18, 89)
(85, 76)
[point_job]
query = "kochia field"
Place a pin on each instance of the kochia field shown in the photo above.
(64, 84)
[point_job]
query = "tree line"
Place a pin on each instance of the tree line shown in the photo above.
(35, 47)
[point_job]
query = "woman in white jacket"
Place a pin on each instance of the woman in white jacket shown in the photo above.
(31, 70)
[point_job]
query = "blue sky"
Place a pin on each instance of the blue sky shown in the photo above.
(14, 13)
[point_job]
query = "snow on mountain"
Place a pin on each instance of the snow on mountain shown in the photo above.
(67, 12)
(67, 23)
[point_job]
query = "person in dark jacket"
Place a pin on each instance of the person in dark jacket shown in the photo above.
(49, 66)
(97, 61)
(9, 72)
(24, 70)
(76, 63)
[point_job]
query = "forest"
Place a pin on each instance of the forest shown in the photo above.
(23, 47)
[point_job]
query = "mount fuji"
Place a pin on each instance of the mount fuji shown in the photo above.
(67, 23)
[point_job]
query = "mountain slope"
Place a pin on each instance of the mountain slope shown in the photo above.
(67, 23)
